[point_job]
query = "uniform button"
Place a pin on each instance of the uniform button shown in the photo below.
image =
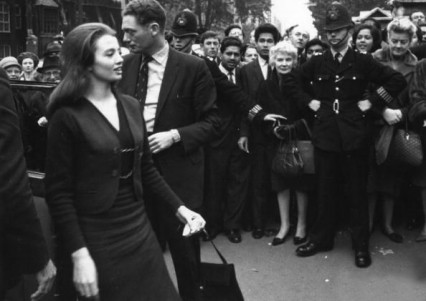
(114, 172)
(337, 89)
(354, 78)
(337, 77)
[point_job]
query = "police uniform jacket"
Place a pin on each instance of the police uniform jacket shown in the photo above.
(339, 124)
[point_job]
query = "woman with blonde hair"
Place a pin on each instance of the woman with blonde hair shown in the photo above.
(385, 181)
(277, 95)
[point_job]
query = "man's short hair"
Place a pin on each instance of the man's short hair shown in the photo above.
(267, 28)
(146, 11)
(231, 27)
(208, 35)
(230, 41)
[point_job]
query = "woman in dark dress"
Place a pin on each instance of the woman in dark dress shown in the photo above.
(277, 95)
(98, 164)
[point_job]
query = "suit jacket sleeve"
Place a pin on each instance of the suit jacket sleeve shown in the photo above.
(154, 182)
(24, 244)
(202, 131)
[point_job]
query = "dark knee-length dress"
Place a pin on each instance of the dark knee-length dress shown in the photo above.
(120, 240)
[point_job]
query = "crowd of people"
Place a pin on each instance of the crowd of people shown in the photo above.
(183, 131)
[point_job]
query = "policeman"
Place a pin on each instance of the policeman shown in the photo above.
(334, 85)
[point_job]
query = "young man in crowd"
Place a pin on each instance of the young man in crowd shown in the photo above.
(227, 166)
(314, 47)
(252, 74)
(334, 86)
(210, 45)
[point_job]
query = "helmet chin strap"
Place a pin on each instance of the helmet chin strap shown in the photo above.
(342, 41)
(187, 47)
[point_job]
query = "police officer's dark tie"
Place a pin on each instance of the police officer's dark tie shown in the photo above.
(142, 85)
(337, 57)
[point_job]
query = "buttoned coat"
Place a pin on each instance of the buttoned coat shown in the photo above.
(187, 102)
(23, 249)
(339, 124)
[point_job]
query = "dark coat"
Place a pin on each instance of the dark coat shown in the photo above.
(23, 249)
(83, 166)
(324, 80)
(251, 77)
(186, 103)
(232, 103)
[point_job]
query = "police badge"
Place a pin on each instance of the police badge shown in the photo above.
(181, 21)
(333, 13)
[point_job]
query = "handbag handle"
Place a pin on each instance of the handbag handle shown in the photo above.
(308, 130)
(218, 252)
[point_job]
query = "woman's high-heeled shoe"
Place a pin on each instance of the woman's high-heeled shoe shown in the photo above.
(299, 240)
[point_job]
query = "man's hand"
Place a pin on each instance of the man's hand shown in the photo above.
(160, 141)
(364, 105)
(243, 144)
(45, 279)
(85, 276)
(392, 116)
(314, 105)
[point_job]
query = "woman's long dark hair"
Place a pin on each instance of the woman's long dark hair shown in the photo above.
(77, 57)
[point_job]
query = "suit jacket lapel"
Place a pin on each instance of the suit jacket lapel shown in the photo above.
(258, 72)
(170, 75)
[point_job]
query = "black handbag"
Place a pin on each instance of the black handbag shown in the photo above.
(287, 160)
(405, 150)
(219, 281)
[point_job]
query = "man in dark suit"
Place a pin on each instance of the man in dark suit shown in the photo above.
(335, 85)
(180, 113)
(23, 249)
(252, 74)
(227, 166)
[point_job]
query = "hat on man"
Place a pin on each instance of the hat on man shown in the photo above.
(9, 61)
(337, 17)
(50, 62)
(185, 24)
(53, 48)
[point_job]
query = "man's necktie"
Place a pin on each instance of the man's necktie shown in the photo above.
(231, 77)
(142, 85)
(269, 72)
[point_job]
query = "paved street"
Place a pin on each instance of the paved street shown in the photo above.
(267, 273)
